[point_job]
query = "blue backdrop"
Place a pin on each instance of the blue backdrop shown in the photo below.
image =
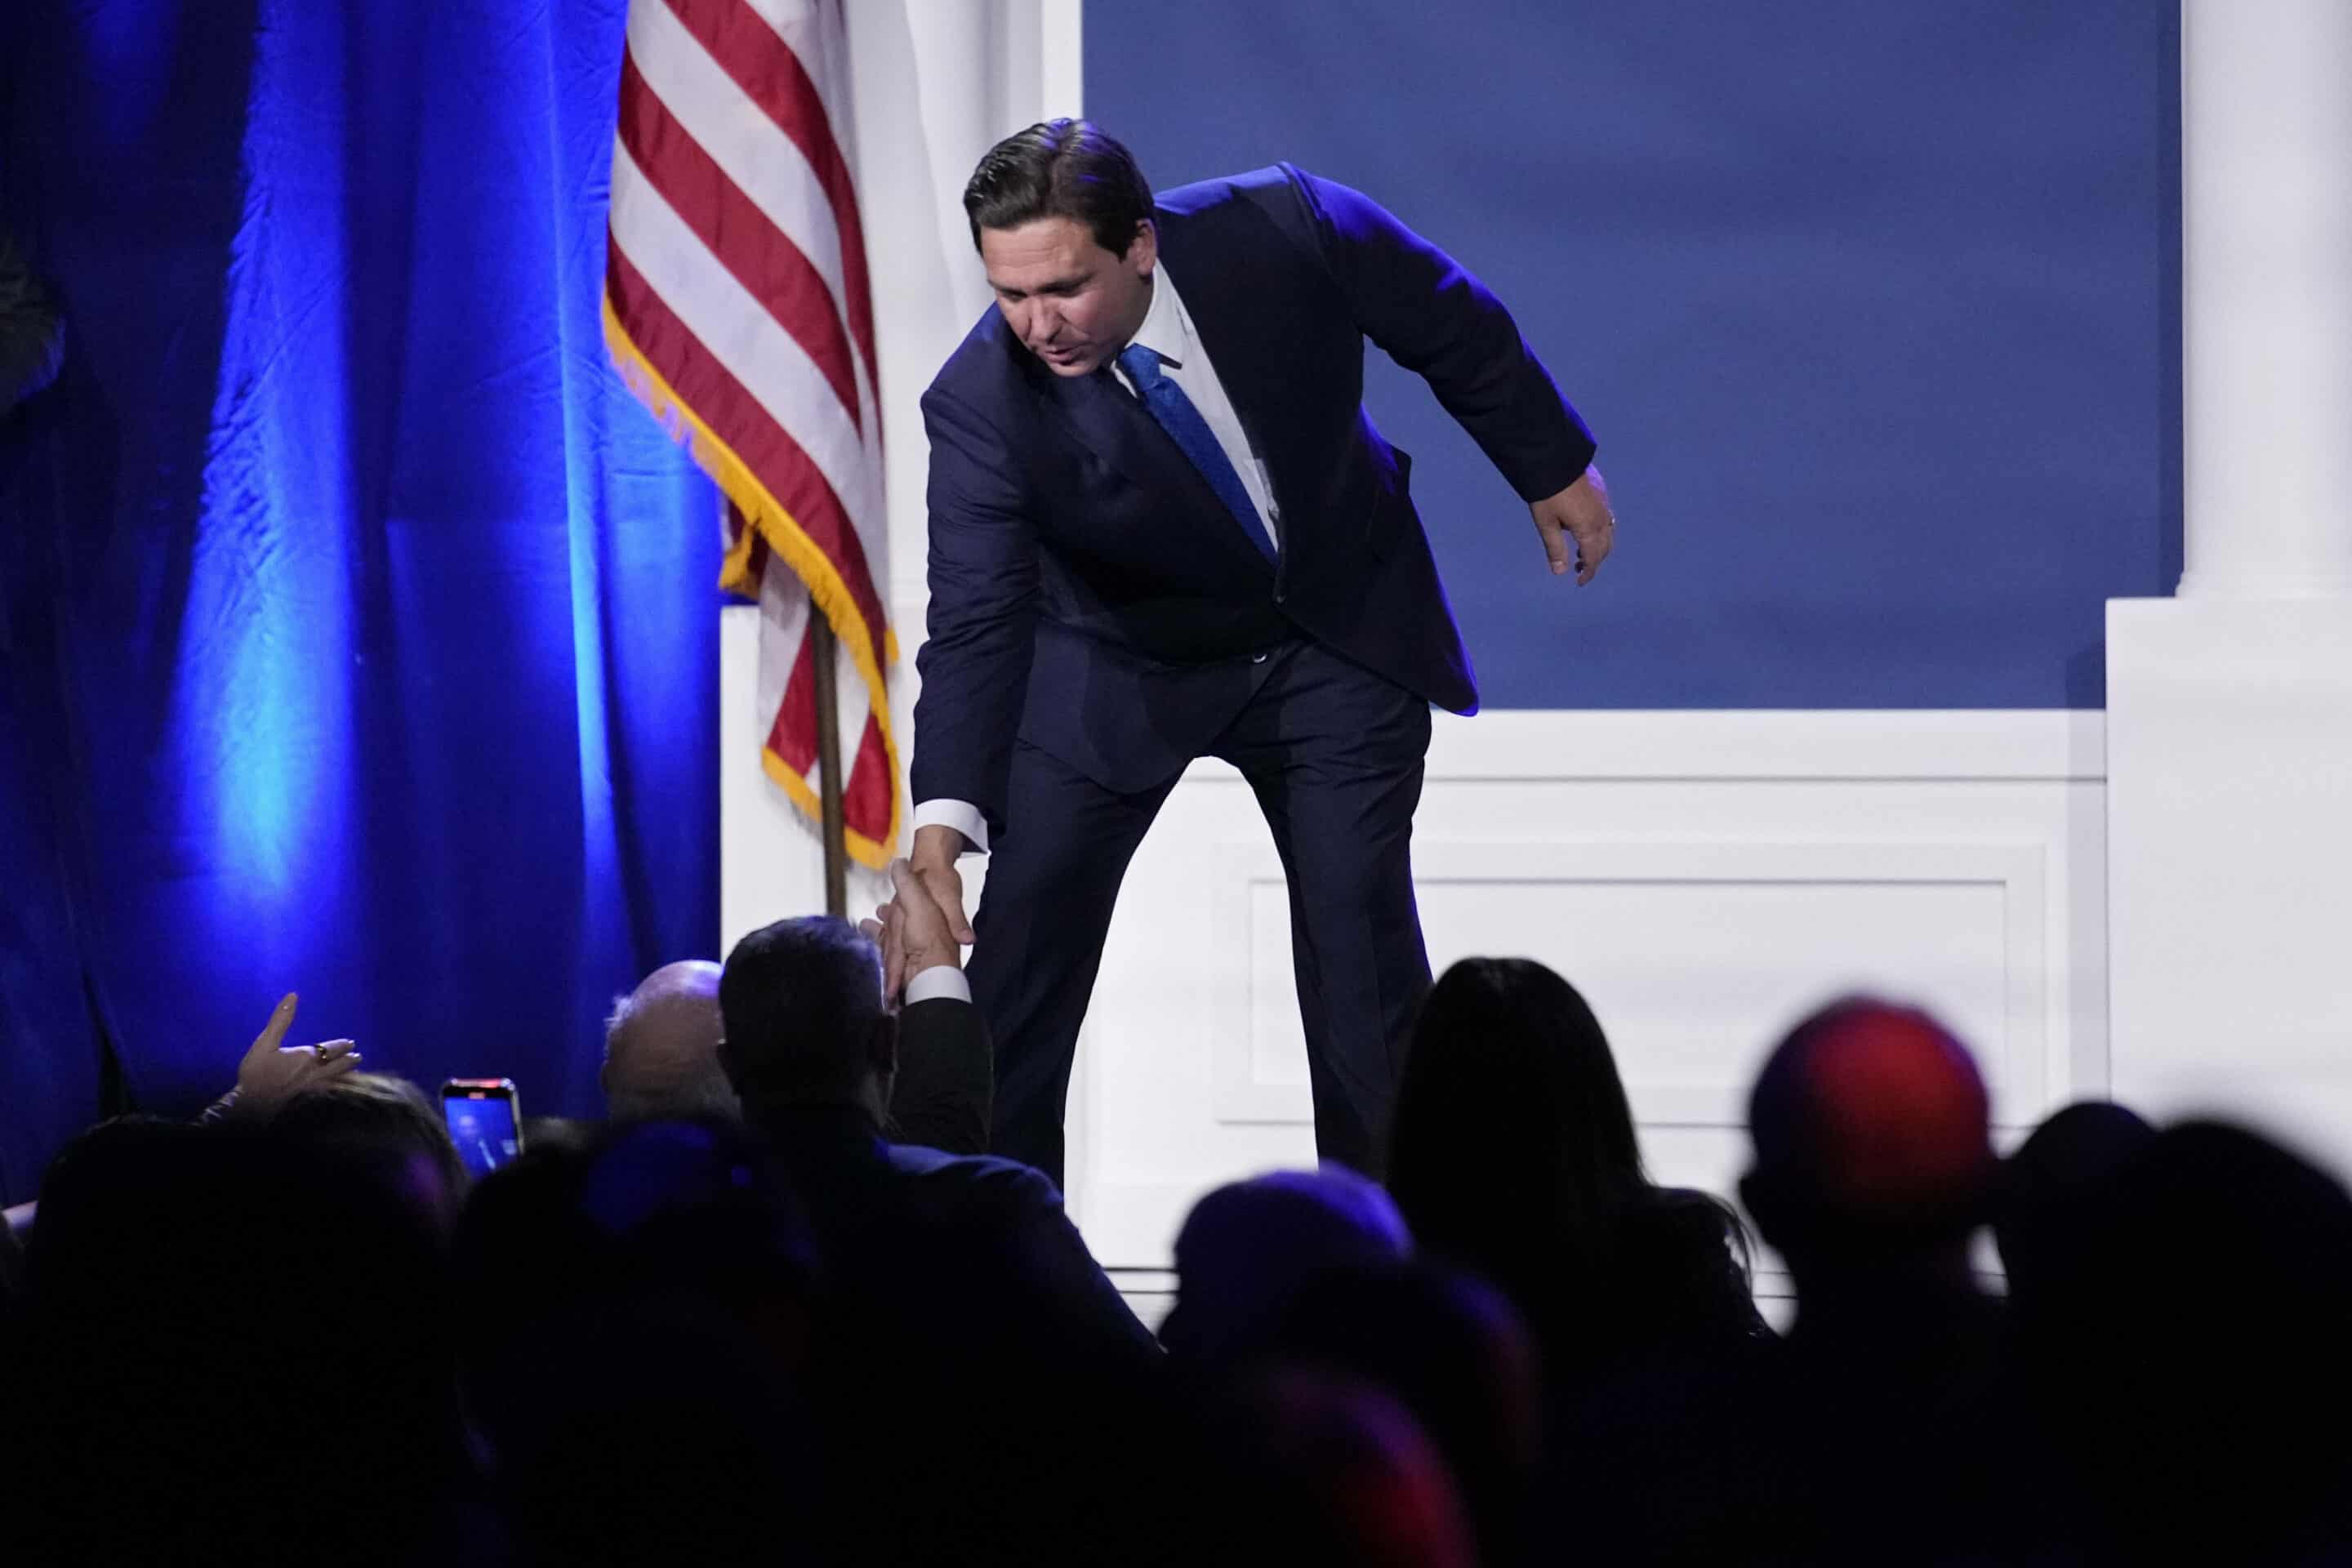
(1873, 308)
(358, 625)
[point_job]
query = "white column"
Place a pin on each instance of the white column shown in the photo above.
(2266, 263)
(2230, 708)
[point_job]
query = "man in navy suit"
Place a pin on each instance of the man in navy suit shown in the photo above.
(1162, 527)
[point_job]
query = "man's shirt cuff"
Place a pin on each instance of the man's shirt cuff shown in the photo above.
(960, 815)
(940, 979)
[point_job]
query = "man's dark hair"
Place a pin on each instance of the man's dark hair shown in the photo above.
(801, 1001)
(1060, 168)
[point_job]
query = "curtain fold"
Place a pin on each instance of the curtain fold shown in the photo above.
(361, 624)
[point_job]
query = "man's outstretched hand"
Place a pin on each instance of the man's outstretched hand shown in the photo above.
(923, 925)
(912, 932)
(934, 865)
(1577, 525)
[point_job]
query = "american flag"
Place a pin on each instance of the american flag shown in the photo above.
(736, 305)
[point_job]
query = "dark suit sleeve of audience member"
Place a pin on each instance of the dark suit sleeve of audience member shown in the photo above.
(946, 1078)
(983, 611)
(1072, 1293)
(32, 337)
(1433, 317)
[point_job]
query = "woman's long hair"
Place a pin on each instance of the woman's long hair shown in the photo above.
(1513, 1151)
(1512, 1128)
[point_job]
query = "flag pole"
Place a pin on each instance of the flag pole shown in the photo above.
(833, 827)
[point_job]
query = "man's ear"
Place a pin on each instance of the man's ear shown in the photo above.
(1143, 250)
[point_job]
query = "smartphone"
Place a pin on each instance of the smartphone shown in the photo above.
(484, 1120)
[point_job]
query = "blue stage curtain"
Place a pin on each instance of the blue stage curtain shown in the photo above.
(359, 625)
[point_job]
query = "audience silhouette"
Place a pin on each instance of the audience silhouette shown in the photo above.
(1513, 1155)
(234, 1348)
(778, 1331)
(1874, 1167)
(1249, 1248)
(2191, 1359)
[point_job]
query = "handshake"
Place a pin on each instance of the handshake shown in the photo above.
(914, 929)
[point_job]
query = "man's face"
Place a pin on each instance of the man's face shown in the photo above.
(1071, 302)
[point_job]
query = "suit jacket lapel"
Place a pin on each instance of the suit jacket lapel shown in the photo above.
(1219, 300)
(1107, 421)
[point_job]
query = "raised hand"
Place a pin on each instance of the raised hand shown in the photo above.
(274, 1072)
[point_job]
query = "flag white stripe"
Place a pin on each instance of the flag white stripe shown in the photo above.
(767, 165)
(795, 22)
(784, 614)
(738, 330)
(816, 34)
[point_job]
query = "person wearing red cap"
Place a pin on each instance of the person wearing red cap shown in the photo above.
(1873, 1168)
(1872, 1131)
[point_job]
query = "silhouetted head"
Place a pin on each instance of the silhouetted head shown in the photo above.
(1871, 1133)
(1510, 1120)
(1321, 1467)
(2195, 1352)
(1062, 218)
(2053, 1185)
(802, 1004)
(1247, 1248)
(391, 1127)
(1454, 1352)
(208, 1306)
(661, 1049)
(641, 1313)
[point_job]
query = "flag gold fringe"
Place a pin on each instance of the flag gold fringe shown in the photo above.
(783, 535)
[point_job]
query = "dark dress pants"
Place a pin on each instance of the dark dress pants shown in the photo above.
(1334, 754)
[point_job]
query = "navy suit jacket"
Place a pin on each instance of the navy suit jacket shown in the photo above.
(1090, 591)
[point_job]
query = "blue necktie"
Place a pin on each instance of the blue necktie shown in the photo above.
(1168, 404)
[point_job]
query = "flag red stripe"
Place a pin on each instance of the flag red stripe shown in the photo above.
(793, 734)
(768, 70)
(762, 256)
(722, 403)
(866, 800)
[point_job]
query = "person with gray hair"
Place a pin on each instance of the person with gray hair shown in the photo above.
(661, 1049)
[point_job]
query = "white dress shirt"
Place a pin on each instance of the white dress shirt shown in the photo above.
(1167, 331)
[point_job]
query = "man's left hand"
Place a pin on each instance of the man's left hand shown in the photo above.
(1579, 514)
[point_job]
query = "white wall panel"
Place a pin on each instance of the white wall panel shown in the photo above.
(1705, 879)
